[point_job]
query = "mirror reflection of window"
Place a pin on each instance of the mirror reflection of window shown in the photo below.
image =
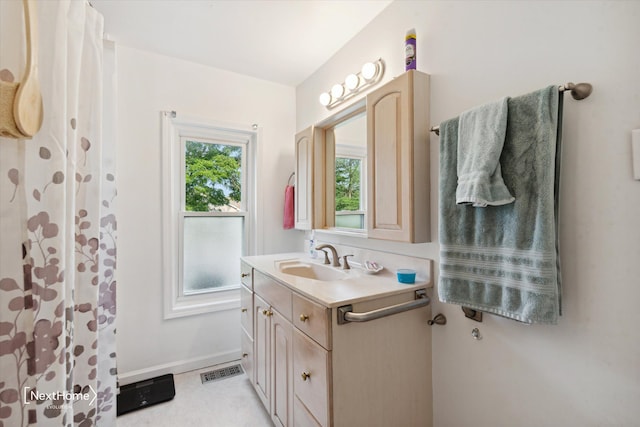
(350, 173)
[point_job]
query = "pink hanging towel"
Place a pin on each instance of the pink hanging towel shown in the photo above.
(288, 206)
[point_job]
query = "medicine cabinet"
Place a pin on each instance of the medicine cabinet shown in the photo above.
(380, 189)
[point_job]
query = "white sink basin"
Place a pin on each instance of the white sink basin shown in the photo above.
(310, 270)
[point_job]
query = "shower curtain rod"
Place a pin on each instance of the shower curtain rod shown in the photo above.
(579, 91)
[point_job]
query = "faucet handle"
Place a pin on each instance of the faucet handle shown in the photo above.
(326, 256)
(345, 263)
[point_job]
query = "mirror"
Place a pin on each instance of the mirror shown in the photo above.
(350, 162)
(344, 137)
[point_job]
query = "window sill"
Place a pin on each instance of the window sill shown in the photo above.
(342, 232)
(196, 304)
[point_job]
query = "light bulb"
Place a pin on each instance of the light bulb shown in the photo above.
(369, 70)
(325, 98)
(351, 82)
(337, 91)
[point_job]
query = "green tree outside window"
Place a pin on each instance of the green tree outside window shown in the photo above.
(347, 184)
(213, 177)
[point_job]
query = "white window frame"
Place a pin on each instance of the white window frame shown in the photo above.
(175, 132)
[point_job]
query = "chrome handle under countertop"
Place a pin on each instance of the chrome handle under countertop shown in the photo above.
(346, 314)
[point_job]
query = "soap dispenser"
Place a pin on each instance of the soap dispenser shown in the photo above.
(312, 246)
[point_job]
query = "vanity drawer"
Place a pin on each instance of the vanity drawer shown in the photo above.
(311, 367)
(246, 310)
(279, 296)
(312, 319)
(246, 275)
(301, 415)
(246, 350)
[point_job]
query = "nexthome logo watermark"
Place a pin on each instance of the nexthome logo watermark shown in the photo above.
(33, 395)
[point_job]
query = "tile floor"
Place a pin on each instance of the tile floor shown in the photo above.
(229, 402)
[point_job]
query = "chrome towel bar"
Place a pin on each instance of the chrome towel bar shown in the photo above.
(346, 314)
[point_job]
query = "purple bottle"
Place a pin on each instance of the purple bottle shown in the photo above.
(410, 50)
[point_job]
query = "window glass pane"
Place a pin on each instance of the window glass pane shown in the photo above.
(349, 220)
(212, 251)
(347, 184)
(349, 203)
(213, 177)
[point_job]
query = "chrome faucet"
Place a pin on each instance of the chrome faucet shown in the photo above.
(334, 254)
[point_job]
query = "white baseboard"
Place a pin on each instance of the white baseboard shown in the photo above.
(177, 367)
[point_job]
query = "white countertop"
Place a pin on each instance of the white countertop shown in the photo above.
(356, 287)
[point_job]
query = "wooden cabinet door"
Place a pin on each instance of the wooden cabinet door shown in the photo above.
(389, 172)
(262, 340)
(398, 160)
(303, 193)
(282, 364)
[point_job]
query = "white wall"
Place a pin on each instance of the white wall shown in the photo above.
(147, 84)
(586, 370)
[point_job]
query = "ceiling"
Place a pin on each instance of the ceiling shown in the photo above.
(283, 41)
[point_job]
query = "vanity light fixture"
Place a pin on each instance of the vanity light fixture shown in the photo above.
(325, 98)
(337, 91)
(369, 75)
(369, 71)
(351, 81)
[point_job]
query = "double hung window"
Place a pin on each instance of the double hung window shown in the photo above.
(208, 213)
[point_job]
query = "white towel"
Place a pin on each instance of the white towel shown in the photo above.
(481, 135)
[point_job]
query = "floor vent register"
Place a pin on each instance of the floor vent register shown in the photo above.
(220, 374)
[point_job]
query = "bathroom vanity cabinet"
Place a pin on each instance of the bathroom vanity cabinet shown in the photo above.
(309, 370)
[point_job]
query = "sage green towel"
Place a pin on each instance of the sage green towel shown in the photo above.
(481, 134)
(504, 259)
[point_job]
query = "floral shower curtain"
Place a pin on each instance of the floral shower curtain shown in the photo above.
(58, 230)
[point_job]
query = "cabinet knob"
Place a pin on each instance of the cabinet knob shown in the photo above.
(303, 317)
(267, 312)
(305, 375)
(243, 275)
(245, 354)
(243, 310)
